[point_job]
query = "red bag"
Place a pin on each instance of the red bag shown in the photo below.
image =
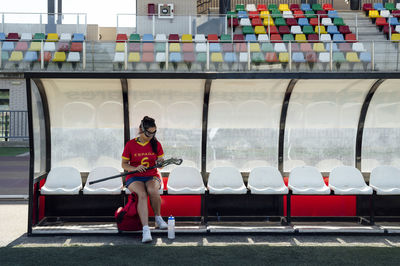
(127, 217)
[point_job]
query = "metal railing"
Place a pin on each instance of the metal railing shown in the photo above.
(13, 125)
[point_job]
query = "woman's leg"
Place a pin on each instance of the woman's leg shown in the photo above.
(140, 189)
(152, 187)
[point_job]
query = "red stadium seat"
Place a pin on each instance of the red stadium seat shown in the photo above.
(272, 30)
(306, 47)
(271, 57)
(233, 22)
(276, 38)
(173, 38)
(381, 22)
(294, 7)
(12, 36)
(212, 38)
(256, 22)
(227, 47)
(313, 37)
(134, 47)
(298, 14)
(327, 7)
(187, 47)
(284, 30)
(253, 14)
(295, 47)
(238, 37)
(291, 22)
(322, 13)
(148, 47)
(351, 37)
(148, 57)
(122, 37)
(76, 47)
(345, 47)
(262, 8)
(314, 21)
(344, 29)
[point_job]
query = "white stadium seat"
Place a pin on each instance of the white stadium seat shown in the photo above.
(385, 180)
(307, 180)
(348, 180)
(111, 186)
(185, 180)
(266, 180)
(63, 180)
(226, 180)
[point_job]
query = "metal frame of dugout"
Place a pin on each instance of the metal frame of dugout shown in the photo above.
(71, 206)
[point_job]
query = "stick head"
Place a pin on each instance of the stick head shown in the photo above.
(170, 161)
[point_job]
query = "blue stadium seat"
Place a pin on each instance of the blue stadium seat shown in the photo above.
(365, 57)
(393, 21)
(242, 14)
(333, 14)
(230, 57)
(251, 38)
(78, 37)
(31, 56)
(215, 47)
(8, 46)
(332, 30)
(303, 22)
(334, 47)
(147, 38)
(2, 36)
(338, 38)
(175, 57)
(305, 7)
(298, 57)
(378, 6)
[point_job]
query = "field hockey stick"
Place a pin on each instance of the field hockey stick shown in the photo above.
(157, 165)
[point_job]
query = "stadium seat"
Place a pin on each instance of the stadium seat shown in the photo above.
(21, 46)
(283, 7)
(305, 47)
(305, 7)
(62, 46)
(333, 14)
(284, 30)
(267, 47)
(351, 37)
(242, 14)
(65, 37)
(316, 7)
(173, 47)
(308, 29)
(62, 181)
(13, 36)
(332, 30)
(2, 36)
(134, 37)
(201, 47)
(225, 38)
(291, 22)
(39, 37)
(352, 57)
(298, 57)
(325, 38)
(52, 37)
(276, 38)
(212, 38)
(16, 56)
(259, 30)
(296, 30)
(30, 56)
(225, 180)
(256, 22)
(298, 14)
(248, 30)
(378, 6)
(8, 46)
(134, 57)
(271, 57)
(230, 57)
(327, 7)
(59, 57)
(200, 38)
(300, 38)
(303, 22)
(307, 180)
(149, 47)
(109, 187)
(287, 14)
(373, 14)
(76, 47)
(390, 6)
(345, 47)
(173, 38)
(147, 38)
(261, 7)
(250, 38)
(348, 180)
(385, 180)
(78, 37)
(384, 14)
(338, 38)
(26, 36)
(338, 22)
(327, 22)
(318, 47)
(264, 14)
(294, 7)
(185, 180)
(334, 47)
(49, 47)
(215, 47)
(186, 47)
(358, 47)
(119, 47)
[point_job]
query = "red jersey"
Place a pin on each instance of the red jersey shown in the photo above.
(142, 154)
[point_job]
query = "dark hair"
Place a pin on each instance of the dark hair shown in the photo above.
(146, 123)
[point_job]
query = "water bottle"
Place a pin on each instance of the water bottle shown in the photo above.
(171, 227)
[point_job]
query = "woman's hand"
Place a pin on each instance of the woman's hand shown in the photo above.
(141, 168)
(160, 160)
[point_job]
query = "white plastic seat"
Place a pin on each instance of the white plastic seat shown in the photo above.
(326, 38)
(65, 37)
(200, 38)
(263, 38)
(73, 57)
(111, 186)
(266, 180)
(26, 36)
(64, 180)
(201, 47)
(307, 180)
(119, 57)
(287, 14)
(251, 7)
(226, 180)
(327, 22)
(324, 57)
(243, 57)
(385, 180)
(49, 46)
(296, 30)
(245, 22)
(358, 47)
(185, 180)
(348, 180)
(161, 37)
(160, 57)
(280, 47)
(385, 13)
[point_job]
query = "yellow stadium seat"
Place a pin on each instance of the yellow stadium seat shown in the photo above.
(259, 30)
(322, 29)
(284, 7)
(255, 47)
(264, 14)
(268, 21)
(16, 56)
(283, 57)
(187, 38)
(59, 57)
(300, 38)
(134, 57)
(35, 46)
(352, 57)
(120, 47)
(52, 37)
(174, 47)
(374, 14)
(319, 47)
(216, 57)
(395, 37)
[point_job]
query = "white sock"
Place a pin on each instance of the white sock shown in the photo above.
(146, 228)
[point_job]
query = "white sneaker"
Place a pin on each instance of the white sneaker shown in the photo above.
(146, 236)
(160, 223)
